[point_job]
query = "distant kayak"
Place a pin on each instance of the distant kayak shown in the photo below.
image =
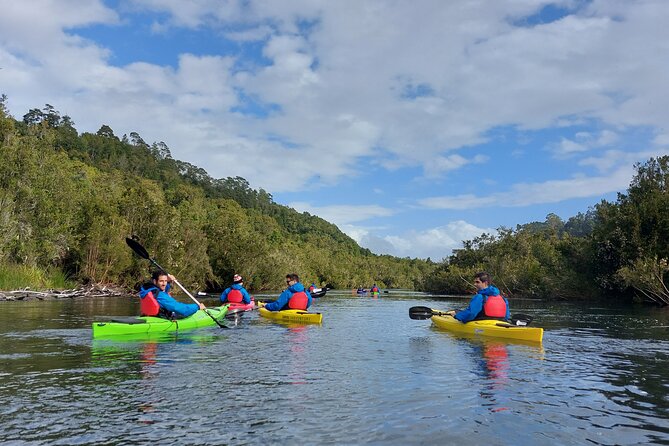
(242, 306)
(149, 324)
(297, 316)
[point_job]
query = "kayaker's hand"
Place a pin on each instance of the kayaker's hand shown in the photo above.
(260, 303)
(201, 305)
(451, 313)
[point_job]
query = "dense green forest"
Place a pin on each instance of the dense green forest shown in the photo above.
(69, 200)
(616, 251)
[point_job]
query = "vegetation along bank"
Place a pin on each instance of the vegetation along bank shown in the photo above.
(68, 200)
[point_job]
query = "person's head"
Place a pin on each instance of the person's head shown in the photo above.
(160, 279)
(237, 279)
(482, 280)
(292, 279)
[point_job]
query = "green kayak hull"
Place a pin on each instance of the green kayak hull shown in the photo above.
(148, 324)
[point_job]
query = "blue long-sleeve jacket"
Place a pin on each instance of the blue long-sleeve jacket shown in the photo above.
(285, 296)
(168, 303)
(476, 305)
(246, 297)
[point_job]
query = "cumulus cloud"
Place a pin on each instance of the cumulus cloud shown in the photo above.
(344, 214)
(434, 243)
(336, 87)
(527, 194)
(352, 86)
(584, 142)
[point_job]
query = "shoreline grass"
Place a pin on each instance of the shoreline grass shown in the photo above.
(16, 277)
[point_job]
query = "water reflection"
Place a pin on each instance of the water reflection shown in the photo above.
(368, 374)
(297, 339)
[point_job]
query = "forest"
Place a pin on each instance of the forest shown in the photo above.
(616, 251)
(69, 200)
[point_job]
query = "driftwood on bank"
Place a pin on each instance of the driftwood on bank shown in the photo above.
(84, 292)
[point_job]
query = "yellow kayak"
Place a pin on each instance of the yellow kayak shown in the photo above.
(295, 316)
(496, 329)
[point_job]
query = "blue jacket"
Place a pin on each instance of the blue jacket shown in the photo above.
(476, 305)
(285, 296)
(168, 303)
(246, 297)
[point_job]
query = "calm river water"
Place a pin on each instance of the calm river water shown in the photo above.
(367, 375)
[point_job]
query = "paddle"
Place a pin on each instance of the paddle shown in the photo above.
(143, 253)
(426, 313)
(521, 319)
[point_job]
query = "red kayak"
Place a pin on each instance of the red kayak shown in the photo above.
(241, 305)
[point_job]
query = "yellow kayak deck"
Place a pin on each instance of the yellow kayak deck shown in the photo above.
(491, 328)
(295, 316)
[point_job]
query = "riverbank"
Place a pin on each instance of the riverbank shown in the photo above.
(26, 294)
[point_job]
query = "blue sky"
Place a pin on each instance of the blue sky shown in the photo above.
(410, 125)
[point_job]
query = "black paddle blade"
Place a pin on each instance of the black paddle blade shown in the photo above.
(521, 319)
(231, 315)
(420, 313)
(139, 249)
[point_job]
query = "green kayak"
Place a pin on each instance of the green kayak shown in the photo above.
(148, 324)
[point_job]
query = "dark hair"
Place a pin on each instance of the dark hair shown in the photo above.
(483, 277)
(293, 276)
(157, 273)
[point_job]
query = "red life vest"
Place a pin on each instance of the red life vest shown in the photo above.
(298, 301)
(148, 305)
(235, 296)
(311, 288)
(494, 306)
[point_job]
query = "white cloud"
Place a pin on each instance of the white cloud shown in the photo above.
(436, 243)
(340, 85)
(610, 158)
(342, 215)
(584, 142)
(527, 194)
(407, 85)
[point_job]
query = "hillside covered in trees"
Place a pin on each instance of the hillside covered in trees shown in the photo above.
(69, 200)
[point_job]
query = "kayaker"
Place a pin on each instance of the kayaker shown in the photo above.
(312, 287)
(294, 297)
(169, 308)
(236, 293)
(374, 289)
(488, 303)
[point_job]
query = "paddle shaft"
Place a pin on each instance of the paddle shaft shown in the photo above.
(426, 313)
(142, 252)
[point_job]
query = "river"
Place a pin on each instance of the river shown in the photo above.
(368, 375)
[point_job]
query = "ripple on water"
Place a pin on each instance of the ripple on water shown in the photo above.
(368, 374)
